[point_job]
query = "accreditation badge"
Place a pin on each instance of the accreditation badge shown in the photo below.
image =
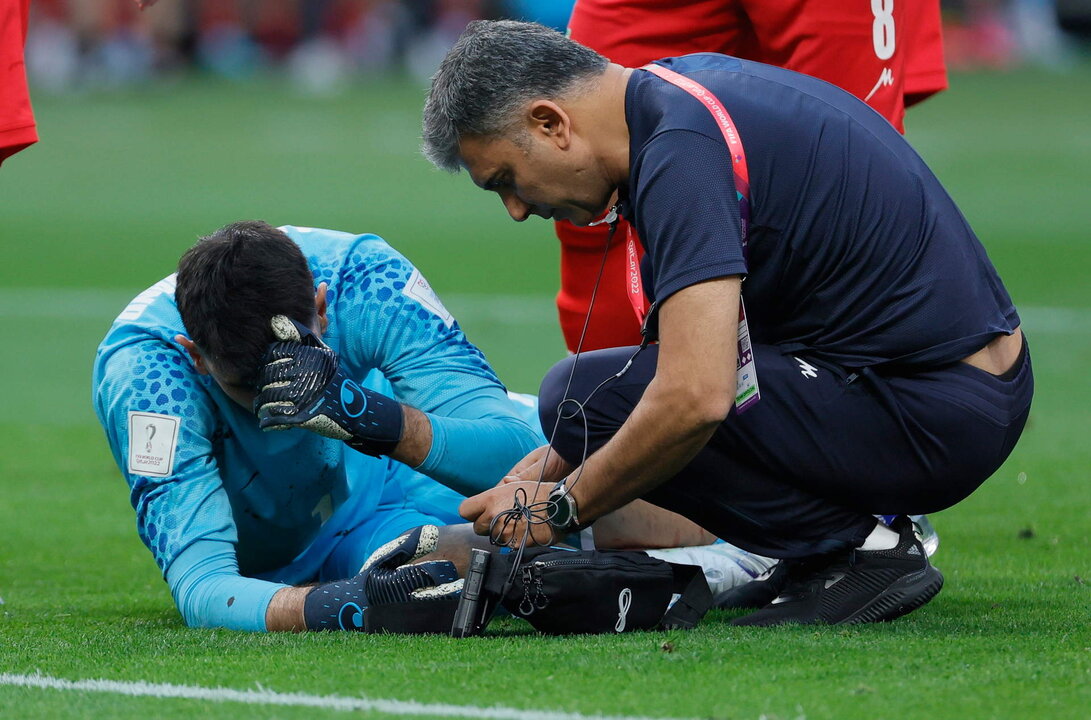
(746, 378)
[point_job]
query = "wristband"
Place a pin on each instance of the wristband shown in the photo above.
(336, 606)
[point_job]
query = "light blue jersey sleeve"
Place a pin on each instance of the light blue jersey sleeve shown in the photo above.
(384, 315)
(162, 428)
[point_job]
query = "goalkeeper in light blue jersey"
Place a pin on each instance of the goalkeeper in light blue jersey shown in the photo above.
(407, 418)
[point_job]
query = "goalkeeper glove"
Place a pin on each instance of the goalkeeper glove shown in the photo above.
(385, 578)
(300, 385)
(393, 576)
(342, 605)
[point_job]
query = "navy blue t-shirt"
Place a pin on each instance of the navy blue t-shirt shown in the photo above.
(856, 253)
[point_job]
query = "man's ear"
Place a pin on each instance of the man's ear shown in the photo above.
(320, 307)
(546, 118)
(194, 353)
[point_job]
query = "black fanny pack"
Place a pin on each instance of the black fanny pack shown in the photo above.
(559, 591)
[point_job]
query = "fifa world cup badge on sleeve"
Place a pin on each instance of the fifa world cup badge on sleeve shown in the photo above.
(746, 389)
(419, 289)
(153, 439)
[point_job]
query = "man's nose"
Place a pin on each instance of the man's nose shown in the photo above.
(518, 209)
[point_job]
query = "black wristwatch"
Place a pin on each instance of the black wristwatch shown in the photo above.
(563, 513)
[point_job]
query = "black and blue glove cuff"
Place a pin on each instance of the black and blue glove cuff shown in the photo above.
(336, 606)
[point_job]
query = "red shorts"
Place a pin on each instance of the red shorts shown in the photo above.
(886, 52)
(16, 117)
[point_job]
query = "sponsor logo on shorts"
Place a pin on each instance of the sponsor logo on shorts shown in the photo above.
(806, 369)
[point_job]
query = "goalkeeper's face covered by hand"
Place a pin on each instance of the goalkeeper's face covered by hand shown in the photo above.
(238, 390)
(235, 387)
(232, 385)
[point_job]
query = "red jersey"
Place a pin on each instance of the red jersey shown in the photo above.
(16, 116)
(889, 53)
(879, 50)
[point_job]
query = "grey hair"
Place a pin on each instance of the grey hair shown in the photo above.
(491, 73)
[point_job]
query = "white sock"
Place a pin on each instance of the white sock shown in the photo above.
(881, 538)
(725, 566)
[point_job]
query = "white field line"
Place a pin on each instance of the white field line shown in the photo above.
(508, 310)
(269, 697)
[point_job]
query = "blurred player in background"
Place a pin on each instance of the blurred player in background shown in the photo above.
(887, 53)
(17, 129)
(238, 519)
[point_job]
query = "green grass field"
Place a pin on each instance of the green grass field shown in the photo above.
(121, 184)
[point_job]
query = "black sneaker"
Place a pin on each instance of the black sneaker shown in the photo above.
(855, 587)
(757, 593)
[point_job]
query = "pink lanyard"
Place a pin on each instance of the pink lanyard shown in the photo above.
(747, 391)
(635, 286)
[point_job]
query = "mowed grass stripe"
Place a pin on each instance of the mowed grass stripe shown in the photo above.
(506, 309)
(271, 697)
(106, 304)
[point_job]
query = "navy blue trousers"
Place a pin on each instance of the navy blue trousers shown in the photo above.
(804, 470)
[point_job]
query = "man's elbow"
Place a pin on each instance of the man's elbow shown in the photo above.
(702, 408)
(519, 437)
(191, 609)
(209, 592)
(711, 411)
(191, 615)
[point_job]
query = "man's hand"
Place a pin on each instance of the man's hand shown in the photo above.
(301, 386)
(541, 464)
(511, 527)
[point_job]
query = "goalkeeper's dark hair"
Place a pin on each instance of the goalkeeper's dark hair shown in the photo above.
(491, 73)
(231, 283)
